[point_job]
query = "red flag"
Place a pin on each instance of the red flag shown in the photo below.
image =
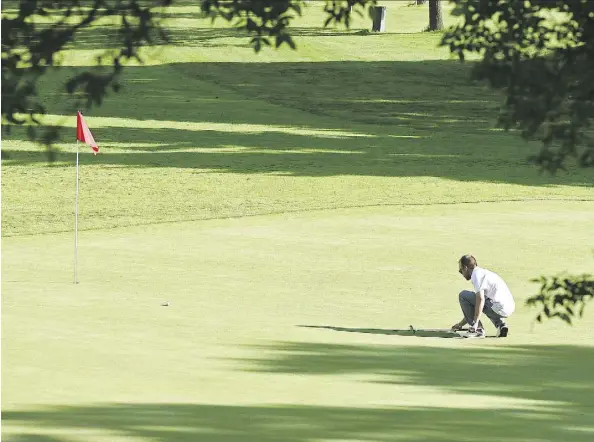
(83, 133)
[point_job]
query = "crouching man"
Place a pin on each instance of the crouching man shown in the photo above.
(491, 296)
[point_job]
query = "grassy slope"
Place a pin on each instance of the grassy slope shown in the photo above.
(386, 130)
(264, 145)
(226, 361)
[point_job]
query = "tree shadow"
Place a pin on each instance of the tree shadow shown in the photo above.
(508, 394)
(293, 423)
(300, 155)
(357, 118)
(559, 375)
(33, 438)
(411, 96)
(107, 37)
(392, 332)
(424, 95)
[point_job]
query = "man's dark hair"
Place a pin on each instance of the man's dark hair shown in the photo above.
(468, 261)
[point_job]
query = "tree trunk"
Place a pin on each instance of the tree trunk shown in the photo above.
(378, 14)
(435, 15)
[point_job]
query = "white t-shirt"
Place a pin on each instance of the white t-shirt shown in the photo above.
(495, 289)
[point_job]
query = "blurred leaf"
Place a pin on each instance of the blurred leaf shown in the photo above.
(543, 66)
(560, 295)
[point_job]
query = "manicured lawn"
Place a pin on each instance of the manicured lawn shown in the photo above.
(294, 209)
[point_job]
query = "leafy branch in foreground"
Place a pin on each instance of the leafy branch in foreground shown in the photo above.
(35, 33)
(540, 54)
(563, 297)
(270, 19)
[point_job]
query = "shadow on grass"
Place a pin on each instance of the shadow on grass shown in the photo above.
(106, 37)
(282, 153)
(543, 394)
(33, 438)
(430, 96)
(559, 375)
(422, 95)
(221, 423)
(393, 332)
(405, 119)
(201, 34)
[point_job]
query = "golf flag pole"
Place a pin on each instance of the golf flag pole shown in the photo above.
(76, 220)
(83, 133)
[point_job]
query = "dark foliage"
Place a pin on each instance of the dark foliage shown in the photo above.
(541, 54)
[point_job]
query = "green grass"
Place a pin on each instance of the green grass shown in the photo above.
(245, 140)
(227, 359)
(333, 187)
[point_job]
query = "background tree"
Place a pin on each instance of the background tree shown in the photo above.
(30, 48)
(540, 54)
(435, 15)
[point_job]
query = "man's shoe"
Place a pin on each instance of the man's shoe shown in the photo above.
(480, 333)
(502, 331)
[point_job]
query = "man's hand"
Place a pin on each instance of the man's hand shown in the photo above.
(458, 326)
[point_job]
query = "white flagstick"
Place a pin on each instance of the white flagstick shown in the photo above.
(76, 219)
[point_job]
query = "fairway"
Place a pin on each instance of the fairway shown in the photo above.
(227, 360)
(258, 235)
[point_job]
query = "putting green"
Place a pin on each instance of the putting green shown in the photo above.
(227, 360)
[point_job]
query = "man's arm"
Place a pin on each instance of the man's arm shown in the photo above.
(478, 307)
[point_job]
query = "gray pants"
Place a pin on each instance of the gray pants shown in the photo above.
(467, 304)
